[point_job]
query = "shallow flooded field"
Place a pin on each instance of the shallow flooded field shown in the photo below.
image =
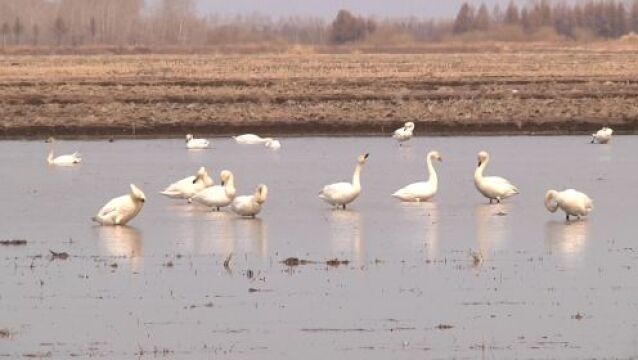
(160, 288)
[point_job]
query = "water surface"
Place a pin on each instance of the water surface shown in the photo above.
(159, 288)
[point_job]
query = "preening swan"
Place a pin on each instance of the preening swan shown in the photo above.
(192, 143)
(251, 139)
(572, 202)
(220, 195)
(121, 210)
(602, 136)
(250, 205)
(188, 187)
(62, 160)
(404, 133)
(424, 190)
(492, 187)
(273, 144)
(343, 193)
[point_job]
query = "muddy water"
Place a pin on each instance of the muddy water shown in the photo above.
(159, 288)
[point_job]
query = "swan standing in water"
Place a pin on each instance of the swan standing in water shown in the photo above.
(273, 144)
(188, 187)
(121, 210)
(343, 193)
(492, 187)
(250, 205)
(424, 190)
(602, 136)
(192, 143)
(62, 160)
(404, 133)
(572, 202)
(251, 139)
(220, 195)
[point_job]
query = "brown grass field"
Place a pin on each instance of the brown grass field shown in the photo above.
(297, 92)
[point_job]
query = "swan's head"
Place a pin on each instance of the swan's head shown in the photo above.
(409, 125)
(201, 174)
(189, 137)
(362, 158)
(50, 140)
(273, 144)
(435, 155)
(137, 194)
(261, 193)
(225, 176)
(550, 200)
(483, 157)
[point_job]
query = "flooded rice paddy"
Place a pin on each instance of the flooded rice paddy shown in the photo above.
(410, 287)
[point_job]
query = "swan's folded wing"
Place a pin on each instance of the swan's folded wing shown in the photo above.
(336, 191)
(498, 179)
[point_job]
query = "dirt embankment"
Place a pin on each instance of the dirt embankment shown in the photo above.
(318, 94)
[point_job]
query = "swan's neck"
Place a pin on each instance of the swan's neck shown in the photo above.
(229, 187)
(50, 157)
(478, 174)
(433, 178)
(356, 178)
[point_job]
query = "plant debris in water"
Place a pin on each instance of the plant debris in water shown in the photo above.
(293, 261)
(13, 242)
(59, 255)
(444, 326)
(337, 262)
(4, 333)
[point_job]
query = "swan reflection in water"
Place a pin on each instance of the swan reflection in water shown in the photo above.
(491, 226)
(123, 241)
(346, 231)
(425, 217)
(568, 239)
(251, 236)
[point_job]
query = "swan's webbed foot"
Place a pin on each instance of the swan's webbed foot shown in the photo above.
(218, 208)
(567, 217)
(343, 206)
(490, 200)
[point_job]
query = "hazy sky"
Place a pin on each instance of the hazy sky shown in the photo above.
(328, 8)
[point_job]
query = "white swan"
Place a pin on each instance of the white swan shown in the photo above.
(602, 136)
(192, 143)
(404, 133)
(572, 202)
(343, 193)
(121, 210)
(62, 160)
(492, 187)
(251, 139)
(250, 205)
(220, 195)
(424, 190)
(188, 187)
(273, 144)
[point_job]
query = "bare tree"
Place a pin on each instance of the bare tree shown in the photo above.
(17, 30)
(464, 19)
(59, 30)
(5, 31)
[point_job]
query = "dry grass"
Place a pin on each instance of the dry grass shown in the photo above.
(572, 89)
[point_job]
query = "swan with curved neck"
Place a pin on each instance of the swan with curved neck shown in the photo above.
(343, 193)
(123, 209)
(62, 160)
(251, 139)
(187, 188)
(424, 190)
(492, 187)
(218, 196)
(572, 202)
(192, 143)
(250, 205)
(405, 133)
(602, 136)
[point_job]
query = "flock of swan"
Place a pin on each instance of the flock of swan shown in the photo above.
(200, 188)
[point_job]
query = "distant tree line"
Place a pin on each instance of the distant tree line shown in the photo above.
(176, 23)
(601, 18)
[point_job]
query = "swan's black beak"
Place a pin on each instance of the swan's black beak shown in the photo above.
(441, 158)
(479, 163)
(366, 155)
(223, 183)
(143, 200)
